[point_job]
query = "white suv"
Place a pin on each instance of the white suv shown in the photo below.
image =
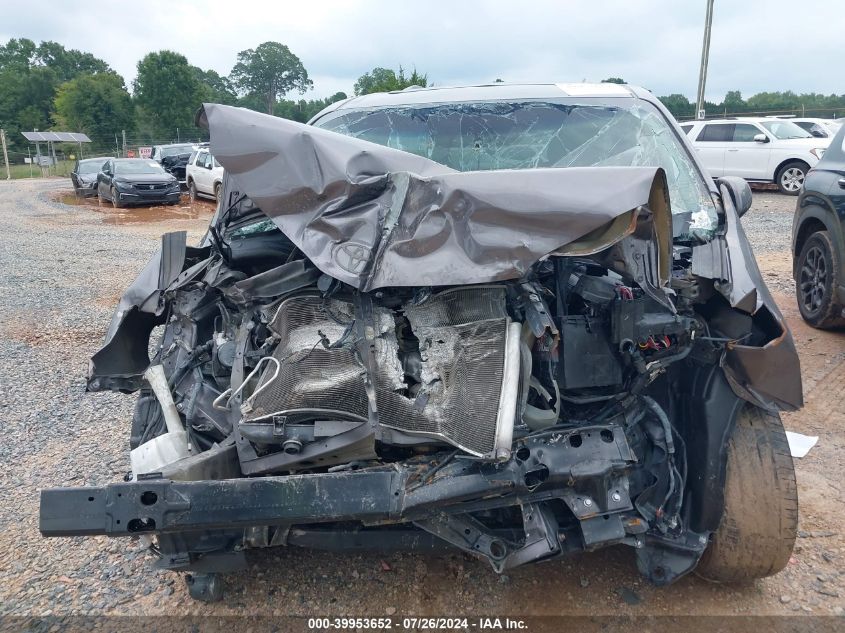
(203, 175)
(757, 149)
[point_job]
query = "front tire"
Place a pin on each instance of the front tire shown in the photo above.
(819, 275)
(790, 177)
(115, 199)
(760, 520)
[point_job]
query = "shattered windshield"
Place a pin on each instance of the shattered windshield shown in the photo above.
(90, 166)
(176, 150)
(535, 134)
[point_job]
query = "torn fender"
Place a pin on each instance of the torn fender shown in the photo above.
(372, 216)
(124, 355)
(769, 375)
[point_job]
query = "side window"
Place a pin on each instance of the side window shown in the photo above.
(206, 160)
(686, 128)
(716, 132)
(817, 130)
(745, 133)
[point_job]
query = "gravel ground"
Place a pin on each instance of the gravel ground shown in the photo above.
(66, 266)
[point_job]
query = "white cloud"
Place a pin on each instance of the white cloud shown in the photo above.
(756, 45)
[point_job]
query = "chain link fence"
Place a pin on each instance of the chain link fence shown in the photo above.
(37, 161)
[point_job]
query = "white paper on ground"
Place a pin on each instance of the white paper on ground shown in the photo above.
(800, 445)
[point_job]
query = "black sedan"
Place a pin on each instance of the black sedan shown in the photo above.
(84, 175)
(818, 240)
(127, 181)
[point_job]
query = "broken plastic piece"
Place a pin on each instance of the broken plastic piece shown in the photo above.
(800, 445)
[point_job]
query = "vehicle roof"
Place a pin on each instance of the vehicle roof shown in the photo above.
(804, 118)
(488, 92)
(134, 160)
(86, 160)
(745, 119)
(176, 144)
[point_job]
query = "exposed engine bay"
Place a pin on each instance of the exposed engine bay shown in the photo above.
(570, 398)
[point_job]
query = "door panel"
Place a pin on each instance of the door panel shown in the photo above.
(746, 157)
(711, 144)
(203, 173)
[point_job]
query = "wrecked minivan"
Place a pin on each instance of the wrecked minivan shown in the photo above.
(516, 320)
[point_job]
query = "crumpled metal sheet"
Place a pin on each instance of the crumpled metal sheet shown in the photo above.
(372, 216)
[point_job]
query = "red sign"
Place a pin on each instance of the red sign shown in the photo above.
(130, 153)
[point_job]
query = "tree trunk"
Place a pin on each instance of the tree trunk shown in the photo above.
(271, 98)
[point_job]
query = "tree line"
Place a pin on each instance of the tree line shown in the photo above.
(47, 86)
(810, 104)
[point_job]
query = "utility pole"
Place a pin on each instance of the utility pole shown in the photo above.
(705, 56)
(55, 161)
(38, 157)
(124, 143)
(5, 154)
(29, 153)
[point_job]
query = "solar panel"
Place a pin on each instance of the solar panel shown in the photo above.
(62, 137)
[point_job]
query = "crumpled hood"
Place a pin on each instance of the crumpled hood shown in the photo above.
(372, 216)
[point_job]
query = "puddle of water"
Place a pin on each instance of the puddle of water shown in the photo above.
(140, 215)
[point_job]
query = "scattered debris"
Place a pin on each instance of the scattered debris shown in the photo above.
(800, 445)
(815, 533)
(629, 596)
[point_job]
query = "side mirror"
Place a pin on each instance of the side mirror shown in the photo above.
(739, 191)
(761, 138)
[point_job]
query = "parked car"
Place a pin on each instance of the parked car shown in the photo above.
(84, 175)
(818, 240)
(820, 128)
(538, 332)
(126, 181)
(174, 158)
(757, 149)
(204, 175)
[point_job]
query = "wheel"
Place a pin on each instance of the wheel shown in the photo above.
(760, 520)
(790, 178)
(218, 192)
(204, 587)
(819, 274)
(192, 191)
(115, 200)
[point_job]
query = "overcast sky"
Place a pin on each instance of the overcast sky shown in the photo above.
(757, 45)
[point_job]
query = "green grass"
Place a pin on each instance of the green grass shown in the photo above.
(63, 168)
